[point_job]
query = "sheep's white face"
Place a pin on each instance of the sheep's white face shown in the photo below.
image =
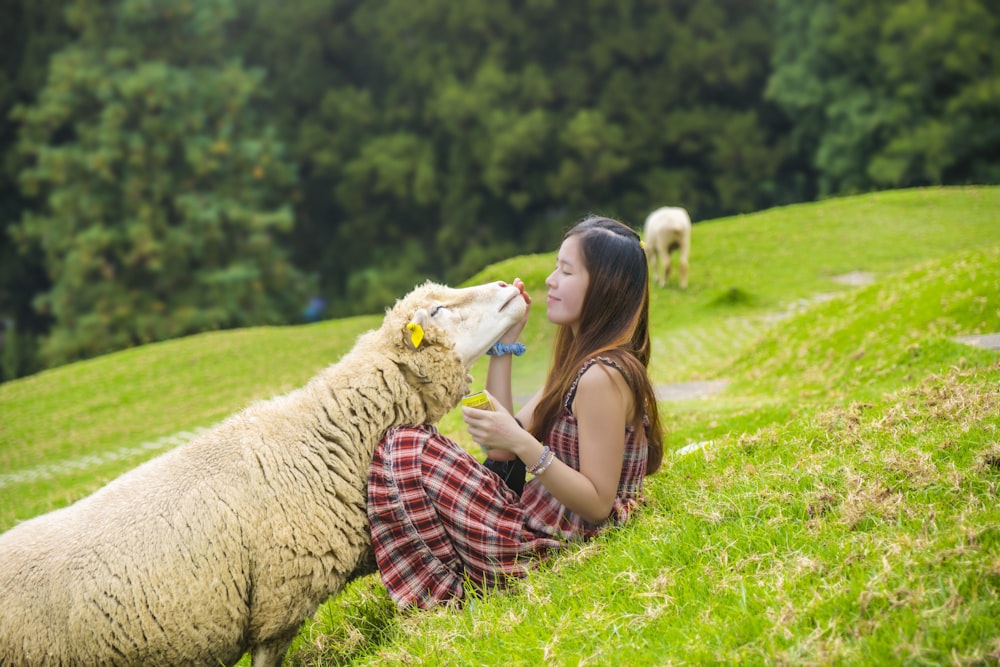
(470, 319)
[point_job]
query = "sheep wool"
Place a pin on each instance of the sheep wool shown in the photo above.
(228, 543)
(667, 229)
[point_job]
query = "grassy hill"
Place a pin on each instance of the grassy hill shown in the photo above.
(839, 505)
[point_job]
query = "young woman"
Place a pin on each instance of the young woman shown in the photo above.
(439, 518)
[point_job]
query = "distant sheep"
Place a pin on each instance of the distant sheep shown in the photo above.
(228, 543)
(668, 229)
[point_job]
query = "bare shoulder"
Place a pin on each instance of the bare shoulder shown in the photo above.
(602, 382)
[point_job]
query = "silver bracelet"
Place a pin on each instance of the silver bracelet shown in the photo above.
(541, 460)
(545, 466)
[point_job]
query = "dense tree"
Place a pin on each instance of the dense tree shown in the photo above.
(181, 152)
(943, 73)
(891, 93)
(162, 190)
(445, 135)
(30, 32)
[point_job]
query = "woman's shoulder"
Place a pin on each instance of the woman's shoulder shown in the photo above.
(600, 388)
(619, 360)
(601, 374)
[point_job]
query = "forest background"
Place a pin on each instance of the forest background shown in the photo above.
(174, 166)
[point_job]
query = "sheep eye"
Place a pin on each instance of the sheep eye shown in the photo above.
(435, 311)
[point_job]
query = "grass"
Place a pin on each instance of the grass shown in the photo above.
(825, 524)
(843, 512)
(121, 401)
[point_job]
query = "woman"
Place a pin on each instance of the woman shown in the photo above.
(439, 518)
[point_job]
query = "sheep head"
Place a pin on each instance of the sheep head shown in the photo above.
(439, 332)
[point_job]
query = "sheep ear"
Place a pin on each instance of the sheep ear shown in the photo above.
(415, 328)
(416, 334)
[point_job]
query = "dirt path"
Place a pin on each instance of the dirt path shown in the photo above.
(986, 341)
(686, 390)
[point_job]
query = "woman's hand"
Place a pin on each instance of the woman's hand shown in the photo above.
(496, 430)
(512, 334)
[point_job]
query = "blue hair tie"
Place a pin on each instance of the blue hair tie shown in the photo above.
(500, 349)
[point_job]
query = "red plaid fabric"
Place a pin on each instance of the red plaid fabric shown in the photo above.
(440, 519)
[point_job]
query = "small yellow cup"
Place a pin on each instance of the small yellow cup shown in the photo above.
(478, 400)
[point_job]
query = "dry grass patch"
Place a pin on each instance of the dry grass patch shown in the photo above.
(989, 459)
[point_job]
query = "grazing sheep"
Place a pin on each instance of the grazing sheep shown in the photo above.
(668, 229)
(226, 544)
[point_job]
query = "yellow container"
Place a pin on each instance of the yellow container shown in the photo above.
(478, 400)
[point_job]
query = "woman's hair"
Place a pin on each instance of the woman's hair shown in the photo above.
(614, 323)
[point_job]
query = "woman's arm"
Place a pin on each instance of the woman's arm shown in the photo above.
(498, 381)
(498, 374)
(602, 404)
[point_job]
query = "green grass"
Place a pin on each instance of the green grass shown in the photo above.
(843, 512)
(122, 400)
(845, 517)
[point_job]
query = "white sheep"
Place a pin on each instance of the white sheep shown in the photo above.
(668, 229)
(226, 544)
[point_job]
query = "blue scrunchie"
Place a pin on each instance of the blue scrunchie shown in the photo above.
(500, 349)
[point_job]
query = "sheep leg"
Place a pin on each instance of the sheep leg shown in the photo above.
(684, 248)
(652, 259)
(655, 259)
(666, 268)
(271, 653)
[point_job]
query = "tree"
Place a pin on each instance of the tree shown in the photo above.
(890, 93)
(942, 68)
(163, 193)
(29, 33)
(436, 136)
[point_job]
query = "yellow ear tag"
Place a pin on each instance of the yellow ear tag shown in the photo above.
(416, 334)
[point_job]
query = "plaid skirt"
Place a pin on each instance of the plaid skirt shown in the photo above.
(440, 519)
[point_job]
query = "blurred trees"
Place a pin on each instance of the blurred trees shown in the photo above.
(443, 135)
(891, 94)
(29, 33)
(184, 155)
(164, 194)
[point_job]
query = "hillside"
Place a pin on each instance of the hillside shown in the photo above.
(838, 503)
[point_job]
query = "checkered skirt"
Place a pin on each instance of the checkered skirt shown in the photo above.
(440, 519)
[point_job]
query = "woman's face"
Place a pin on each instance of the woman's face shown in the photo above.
(567, 285)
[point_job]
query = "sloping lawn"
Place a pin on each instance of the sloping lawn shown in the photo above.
(838, 504)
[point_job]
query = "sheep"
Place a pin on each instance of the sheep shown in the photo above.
(228, 543)
(667, 229)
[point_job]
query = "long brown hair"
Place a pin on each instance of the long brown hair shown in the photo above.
(614, 323)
